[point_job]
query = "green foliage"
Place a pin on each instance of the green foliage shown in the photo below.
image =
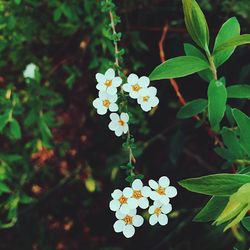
(238, 91)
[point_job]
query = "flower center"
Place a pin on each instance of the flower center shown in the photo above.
(157, 211)
(108, 83)
(123, 199)
(106, 103)
(137, 194)
(121, 122)
(136, 87)
(128, 219)
(161, 191)
(145, 98)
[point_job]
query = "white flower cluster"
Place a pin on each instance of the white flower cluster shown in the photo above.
(126, 202)
(107, 97)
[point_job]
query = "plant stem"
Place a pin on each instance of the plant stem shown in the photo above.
(212, 65)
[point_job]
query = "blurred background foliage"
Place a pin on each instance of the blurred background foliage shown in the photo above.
(58, 161)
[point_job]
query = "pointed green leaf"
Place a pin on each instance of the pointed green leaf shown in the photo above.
(192, 108)
(246, 223)
(178, 67)
(228, 30)
(239, 91)
(4, 188)
(15, 129)
(217, 98)
(217, 184)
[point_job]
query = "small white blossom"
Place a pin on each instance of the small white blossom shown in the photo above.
(137, 195)
(135, 84)
(29, 71)
(161, 190)
(126, 223)
(119, 202)
(158, 213)
(119, 123)
(147, 98)
(105, 102)
(108, 82)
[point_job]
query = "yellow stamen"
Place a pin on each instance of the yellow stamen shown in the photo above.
(128, 219)
(160, 190)
(106, 103)
(137, 194)
(145, 98)
(108, 83)
(123, 199)
(136, 87)
(121, 122)
(157, 211)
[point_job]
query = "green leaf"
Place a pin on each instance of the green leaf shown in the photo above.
(191, 50)
(217, 184)
(15, 129)
(196, 23)
(178, 67)
(192, 108)
(4, 119)
(243, 122)
(246, 223)
(18, 2)
(239, 91)
(225, 154)
(228, 30)
(212, 210)
(4, 188)
(235, 41)
(217, 98)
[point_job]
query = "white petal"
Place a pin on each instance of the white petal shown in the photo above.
(133, 79)
(154, 196)
(103, 95)
(102, 110)
(143, 203)
(143, 81)
(114, 117)
(97, 103)
(152, 91)
(119, 215)
(125, 128)
(132, 212)
(101, 87)
(133, 203)
(112, 90)
(117, 81)
(157, 203)
(151, 209)
(153, 219)
(126, 87)
(166, 208)
(119, 131)
(124, 117)
(154, 101)
(109, 74)
(133, 94)
(153, 184)
(164, 199)
(114, 205)
(116, 194)
(113, 107)
(113, 126)
(146, 106)
(164, 181)
(124, 208)
(137, 220)
(128, 231)
(140, 99)
(171, 191)
(119, 226)
(137, 184)
(163, 219)
(100, 78)
(146, 191)
(127, 192)
(112, 98)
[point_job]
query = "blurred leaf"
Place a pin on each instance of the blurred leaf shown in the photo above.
(4, 119)
(178, 67)
(225, 154)
(217, 184)
(4, 188)
(15, 129)
(25, 199)
(246, 223)
(90, 184)
(239, 91)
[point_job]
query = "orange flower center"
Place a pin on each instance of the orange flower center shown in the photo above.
(123, 199)
(137, 194)
(128, 219)
(121, 122)
(108, 83)
(160, 190)
(106, 103)
(157, 211)
(136, 87)
(145, 98)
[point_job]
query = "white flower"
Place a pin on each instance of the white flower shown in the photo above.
(119, 123)
(135, 85)
(147, 98)
(137, 195)
(29, 71)
(158, 213)
(108, 82)
(162, 191)
(126, 223)
(105, 102)
(119, 202)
